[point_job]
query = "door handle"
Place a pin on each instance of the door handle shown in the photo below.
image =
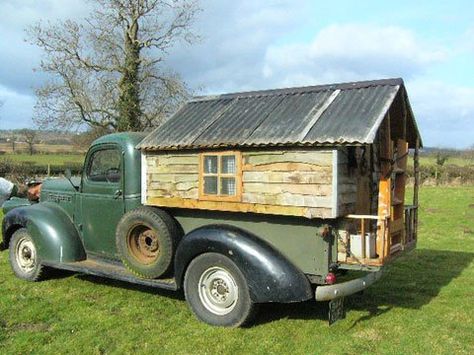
(117, 194)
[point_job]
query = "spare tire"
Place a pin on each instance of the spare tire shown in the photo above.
(146, 240)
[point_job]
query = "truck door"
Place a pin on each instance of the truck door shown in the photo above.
(102, 203)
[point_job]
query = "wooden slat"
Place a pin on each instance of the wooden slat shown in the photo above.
(365, 216)
(320, 177)
(313, 157)
(283, 166)
(175, 202)
(297, 189)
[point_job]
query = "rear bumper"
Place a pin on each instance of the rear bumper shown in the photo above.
(330, 292)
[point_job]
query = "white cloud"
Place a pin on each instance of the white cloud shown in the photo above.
(17, 109)
(235, 36)
(352, 52)
(445, 113)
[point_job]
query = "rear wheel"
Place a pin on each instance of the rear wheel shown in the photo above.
(24, 257)
(146, 240)
(217, 291)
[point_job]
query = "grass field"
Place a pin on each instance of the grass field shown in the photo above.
(45, 159)
(423, 304)
(431, 160)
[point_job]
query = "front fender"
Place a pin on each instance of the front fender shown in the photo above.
(271, 277)
(53, 232)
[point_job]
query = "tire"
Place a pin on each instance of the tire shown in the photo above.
(217, 292)
(23, 256)
(146, 240)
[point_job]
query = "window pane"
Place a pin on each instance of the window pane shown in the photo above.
(228, 186)
(210, 185)
(210, 164)
(105, 166)
(228, 164)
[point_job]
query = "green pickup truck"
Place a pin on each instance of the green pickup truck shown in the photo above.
(231, 227)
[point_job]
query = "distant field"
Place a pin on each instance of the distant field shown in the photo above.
(45, 159)
(450, 161)
(422, 305)
(48, 148)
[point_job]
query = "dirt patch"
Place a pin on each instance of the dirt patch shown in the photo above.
(432, 210)
(32, 327)
(471, 205)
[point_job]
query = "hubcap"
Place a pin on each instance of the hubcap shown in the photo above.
(143, 244)
(25, 255)
(218, 290)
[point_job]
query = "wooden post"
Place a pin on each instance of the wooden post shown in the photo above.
(385, 185)
(416, 168)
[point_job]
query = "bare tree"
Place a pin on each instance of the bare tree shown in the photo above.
(30, 137)
(83, 140)
(108, 70)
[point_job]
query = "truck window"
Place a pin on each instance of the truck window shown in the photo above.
(105, 166)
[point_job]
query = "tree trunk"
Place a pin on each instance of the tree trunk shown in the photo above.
(129, 99)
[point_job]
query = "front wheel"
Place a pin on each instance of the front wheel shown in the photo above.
(24, 257)
(217, 291)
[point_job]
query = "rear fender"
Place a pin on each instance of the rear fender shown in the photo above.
(271, 277)
(53, 232)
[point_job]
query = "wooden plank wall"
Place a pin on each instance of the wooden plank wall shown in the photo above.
(346, 184)
(172, 175)
(292, 178)
(298, 180)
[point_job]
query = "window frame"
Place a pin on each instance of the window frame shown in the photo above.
(237, 176)
(90, 159)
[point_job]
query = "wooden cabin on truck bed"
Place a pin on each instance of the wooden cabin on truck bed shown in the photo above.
(334, 153)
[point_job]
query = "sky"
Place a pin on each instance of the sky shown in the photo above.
(266, 44)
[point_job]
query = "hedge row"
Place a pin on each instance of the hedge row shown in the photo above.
(28, 169)
(445, 174)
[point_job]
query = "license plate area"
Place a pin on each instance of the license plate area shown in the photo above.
(337, 310)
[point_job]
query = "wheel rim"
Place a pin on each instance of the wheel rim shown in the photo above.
(218, 290)
(143, 244)
(25, 254)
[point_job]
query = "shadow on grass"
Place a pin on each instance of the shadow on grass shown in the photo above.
(411, 281)
(178, 295)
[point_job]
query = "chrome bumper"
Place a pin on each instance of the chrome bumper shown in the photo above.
(331, 292)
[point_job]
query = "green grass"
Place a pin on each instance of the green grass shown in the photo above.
(431, 160)
(424, 304)
(45, 159)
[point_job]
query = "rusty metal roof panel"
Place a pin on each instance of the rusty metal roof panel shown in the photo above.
(239, 121)
(288, 119)
(352, 115)
(346, 113)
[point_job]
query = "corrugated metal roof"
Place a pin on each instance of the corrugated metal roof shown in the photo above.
(348, 113)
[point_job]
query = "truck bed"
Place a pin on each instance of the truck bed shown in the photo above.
(112, 270)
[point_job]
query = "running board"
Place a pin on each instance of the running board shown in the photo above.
(112, 270)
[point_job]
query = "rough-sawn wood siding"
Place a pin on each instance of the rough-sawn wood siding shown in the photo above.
(291, 182)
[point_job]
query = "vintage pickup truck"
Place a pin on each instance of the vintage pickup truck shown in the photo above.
(238, 200)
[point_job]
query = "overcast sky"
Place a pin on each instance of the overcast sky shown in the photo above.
(248, 45)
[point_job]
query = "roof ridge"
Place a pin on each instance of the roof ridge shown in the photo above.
(301, 89)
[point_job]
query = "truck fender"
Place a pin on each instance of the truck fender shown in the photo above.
(54, 234)
(270, 276)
